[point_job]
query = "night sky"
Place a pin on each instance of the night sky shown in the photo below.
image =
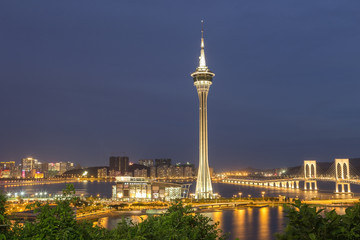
(83, 80)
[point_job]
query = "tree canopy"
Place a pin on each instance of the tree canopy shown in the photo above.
(58, 221)
(307, 222)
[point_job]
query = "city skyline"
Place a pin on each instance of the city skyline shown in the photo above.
(79, 85)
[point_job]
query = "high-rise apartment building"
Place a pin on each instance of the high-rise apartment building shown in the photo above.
(120, 164)
(162, 171)
(153, 172)
(28, 164)
(147, 162)
(162, 161)
(141, 172)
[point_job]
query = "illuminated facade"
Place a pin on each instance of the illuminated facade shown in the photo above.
(202, 81)
(102, 173)
(7, 165)
(142, 189)
(28, 164)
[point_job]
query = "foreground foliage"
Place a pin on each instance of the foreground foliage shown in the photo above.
(178, 222)
(59, 222)
(309, 223)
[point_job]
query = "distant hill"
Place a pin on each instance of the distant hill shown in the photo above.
(92, 171)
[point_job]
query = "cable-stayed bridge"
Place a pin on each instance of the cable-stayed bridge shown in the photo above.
(340, 172)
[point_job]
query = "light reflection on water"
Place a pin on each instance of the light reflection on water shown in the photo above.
(242, 223)
(264, 228)
(239, 223)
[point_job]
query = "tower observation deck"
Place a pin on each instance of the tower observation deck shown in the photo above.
(202, 81)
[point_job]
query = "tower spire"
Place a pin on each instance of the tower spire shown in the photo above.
(202, 61)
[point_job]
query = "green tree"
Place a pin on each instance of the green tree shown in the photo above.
(309, 223)
(179, 222)
(4, 221)
(57, 221)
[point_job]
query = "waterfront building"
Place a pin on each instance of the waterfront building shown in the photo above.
(118, 163)
(102, 173)
(7, 165)
(202, 80)
(28, 164)
(16, 173)
(53, 167)
(63, 167)
(142, 189)
(44, 167)
(70, 166)
(57, 168)
(113, 173)
(5, 173)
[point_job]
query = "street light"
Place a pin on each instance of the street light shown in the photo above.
(249, 196)
(240, 194)
(263, 194)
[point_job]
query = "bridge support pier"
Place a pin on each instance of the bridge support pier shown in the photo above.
(342, 172)
(342, 184)
(310, 182)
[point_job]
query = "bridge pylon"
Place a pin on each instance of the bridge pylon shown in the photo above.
(342, 173)
(310, 174)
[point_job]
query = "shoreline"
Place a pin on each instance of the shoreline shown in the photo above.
(138, 212)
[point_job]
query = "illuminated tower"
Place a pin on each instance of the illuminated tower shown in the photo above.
(202, 81)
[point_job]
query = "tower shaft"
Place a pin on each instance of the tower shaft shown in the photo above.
(203, 184)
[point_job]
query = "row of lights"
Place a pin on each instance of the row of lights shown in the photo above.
(23, 193)
(16, 194)
(249, 196)
(41, 193)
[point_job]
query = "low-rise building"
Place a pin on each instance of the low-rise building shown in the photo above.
(102, 173)
(142, 189)
(7, 165)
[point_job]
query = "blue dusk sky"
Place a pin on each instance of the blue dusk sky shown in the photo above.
(81, 80)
